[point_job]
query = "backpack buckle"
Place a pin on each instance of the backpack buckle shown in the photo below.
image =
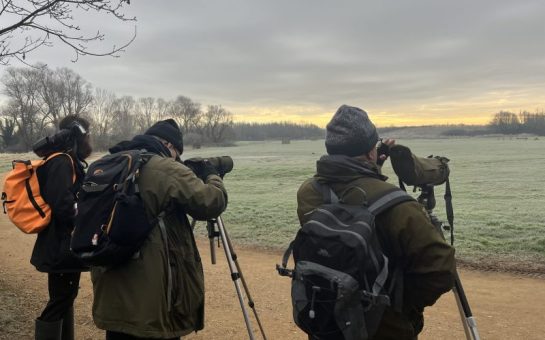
(4, 201)
(282, 271)
(369, 300)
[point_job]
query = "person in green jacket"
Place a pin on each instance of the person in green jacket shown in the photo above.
(160, 294)
(407, 236)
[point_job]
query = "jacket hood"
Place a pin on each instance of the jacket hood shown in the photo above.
(147, 142)
(341, 168)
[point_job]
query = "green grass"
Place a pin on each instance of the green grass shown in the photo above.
(497, 187)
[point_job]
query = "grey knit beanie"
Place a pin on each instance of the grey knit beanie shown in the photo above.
(350, 132)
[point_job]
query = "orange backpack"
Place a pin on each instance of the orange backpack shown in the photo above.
(23, 202)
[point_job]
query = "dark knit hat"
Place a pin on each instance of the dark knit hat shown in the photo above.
(169, 131)
(350, 132)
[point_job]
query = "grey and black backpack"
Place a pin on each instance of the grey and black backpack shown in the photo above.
(339, 281)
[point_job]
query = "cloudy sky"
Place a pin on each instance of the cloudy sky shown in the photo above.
(404, 62)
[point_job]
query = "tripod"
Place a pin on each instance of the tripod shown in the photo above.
(216, 229)
(427, 199)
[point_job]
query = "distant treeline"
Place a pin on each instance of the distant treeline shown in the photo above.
(282, 130)
(505, 122)
(525, 122)
(39, 97)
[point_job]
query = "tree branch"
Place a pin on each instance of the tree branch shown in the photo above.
(61, 13)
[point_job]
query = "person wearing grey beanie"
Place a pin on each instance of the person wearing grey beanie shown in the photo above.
(420, 264)
(350, 132)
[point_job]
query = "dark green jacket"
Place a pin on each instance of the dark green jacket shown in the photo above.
(408, 238)
(138, 298)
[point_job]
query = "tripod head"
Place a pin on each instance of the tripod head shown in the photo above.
(427, 200)
(427, 196)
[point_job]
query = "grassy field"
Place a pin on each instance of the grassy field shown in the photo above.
(497, 186)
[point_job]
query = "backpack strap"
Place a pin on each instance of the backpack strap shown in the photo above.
(383, 202)
(55, 154)
(282, 270)
(138, 158)
(389, 199)
(328, 194)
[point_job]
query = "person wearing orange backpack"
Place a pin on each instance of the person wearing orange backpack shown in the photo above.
(60, 178)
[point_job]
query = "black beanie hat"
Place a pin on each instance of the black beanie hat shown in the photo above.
(350, 132)
(169, 131)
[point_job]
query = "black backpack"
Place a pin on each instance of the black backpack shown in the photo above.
(338, 283)
(111, 223)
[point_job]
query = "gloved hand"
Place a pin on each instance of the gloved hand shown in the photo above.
(207, 170)
(383, 150)
(202, 168)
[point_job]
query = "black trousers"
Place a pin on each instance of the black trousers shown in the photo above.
(121, 336)
(63, 290)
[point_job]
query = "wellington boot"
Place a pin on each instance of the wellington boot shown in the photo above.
(68, 325)
(48, 330)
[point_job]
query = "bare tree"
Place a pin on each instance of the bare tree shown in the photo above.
(163, 108)
(7, 132)
(145, 113)
(505, 122)
(187, 113)
(22, 86)
(217, 123)
(533, 122)
(30, 24)
(51, 94)
(101, 111)
(63, 92)
(76, 92)
(124, 124)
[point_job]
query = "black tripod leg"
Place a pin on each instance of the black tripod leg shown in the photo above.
(247, 291)
(212, 234)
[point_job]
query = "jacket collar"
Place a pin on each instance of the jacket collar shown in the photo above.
(341, 168)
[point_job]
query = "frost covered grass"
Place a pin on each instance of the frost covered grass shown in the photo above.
(497, 186)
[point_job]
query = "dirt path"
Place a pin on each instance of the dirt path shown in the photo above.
(505, 306)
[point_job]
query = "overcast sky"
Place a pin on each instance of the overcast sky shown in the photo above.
(404, 62)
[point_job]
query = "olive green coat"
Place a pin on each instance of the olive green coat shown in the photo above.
(135, 298)
(408, 238)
